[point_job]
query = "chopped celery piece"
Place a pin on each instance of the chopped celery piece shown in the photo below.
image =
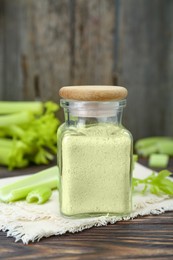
(40, 195)
(158, 160)
(20, 189)
(9, 107)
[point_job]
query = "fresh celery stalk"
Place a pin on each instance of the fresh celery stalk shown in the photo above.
(5, 153)
(146, 151)
(30, 133)
(2, 133)
(12, 152)
(150, 145)
(16, 119)
(20, 189)
(165, 147)
(14, 131)
(5, 142)
(40, 195)
(149, 141)
(10, 107)
(158, 160)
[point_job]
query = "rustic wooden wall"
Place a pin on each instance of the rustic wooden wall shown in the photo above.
(46, 44)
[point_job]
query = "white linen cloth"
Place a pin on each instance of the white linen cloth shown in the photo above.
(31, 222)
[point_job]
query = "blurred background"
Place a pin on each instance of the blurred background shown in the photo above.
(46, 44)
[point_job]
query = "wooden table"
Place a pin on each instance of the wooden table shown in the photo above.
(148, 237)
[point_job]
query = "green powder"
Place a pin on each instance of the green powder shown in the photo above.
(96, 175)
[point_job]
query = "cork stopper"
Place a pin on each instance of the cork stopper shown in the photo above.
(93, 93)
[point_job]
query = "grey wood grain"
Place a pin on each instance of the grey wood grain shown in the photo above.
(48, 54)
(144, 65)
(46, 44)
(11, 15)
(1, 48)
(94, 28)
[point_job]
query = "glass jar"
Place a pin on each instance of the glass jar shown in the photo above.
(95, 159)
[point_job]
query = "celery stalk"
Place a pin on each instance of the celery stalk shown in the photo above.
(12, 153)
(149, 141)
(150, 145)
(165, 147)
(30, 136)
(20, 189)
(14, 131)
(5, 142)
(5, 155)
(40, 195)
(146, 151)
(10, 107)
(17, 118)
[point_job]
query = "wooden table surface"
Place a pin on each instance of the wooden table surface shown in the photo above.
(149, 237)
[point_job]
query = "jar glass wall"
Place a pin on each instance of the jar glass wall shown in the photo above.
(95, 159)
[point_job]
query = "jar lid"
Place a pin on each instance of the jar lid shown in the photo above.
(93, 93)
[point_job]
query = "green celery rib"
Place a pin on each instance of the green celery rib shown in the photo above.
(150, 141)
(165, 147)
(10, 107)
(5, 142)
(20, 189)
(14, 131)
(5, 153)
(12, 153)
(148, 146)
(40, 195)
(16, 119)
(146, 151)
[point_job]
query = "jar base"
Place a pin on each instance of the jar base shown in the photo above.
(93, 215)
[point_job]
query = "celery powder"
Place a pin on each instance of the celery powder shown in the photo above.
(95, 179)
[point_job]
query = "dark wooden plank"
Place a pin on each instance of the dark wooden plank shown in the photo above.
(36, 49)
(94, 27)
(1, 48)
(168, 120)
(11, 27)
(144, 40)
(147, 237)
(48, 50)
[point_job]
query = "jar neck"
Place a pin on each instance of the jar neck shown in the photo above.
(72, 120)
(78, 113)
